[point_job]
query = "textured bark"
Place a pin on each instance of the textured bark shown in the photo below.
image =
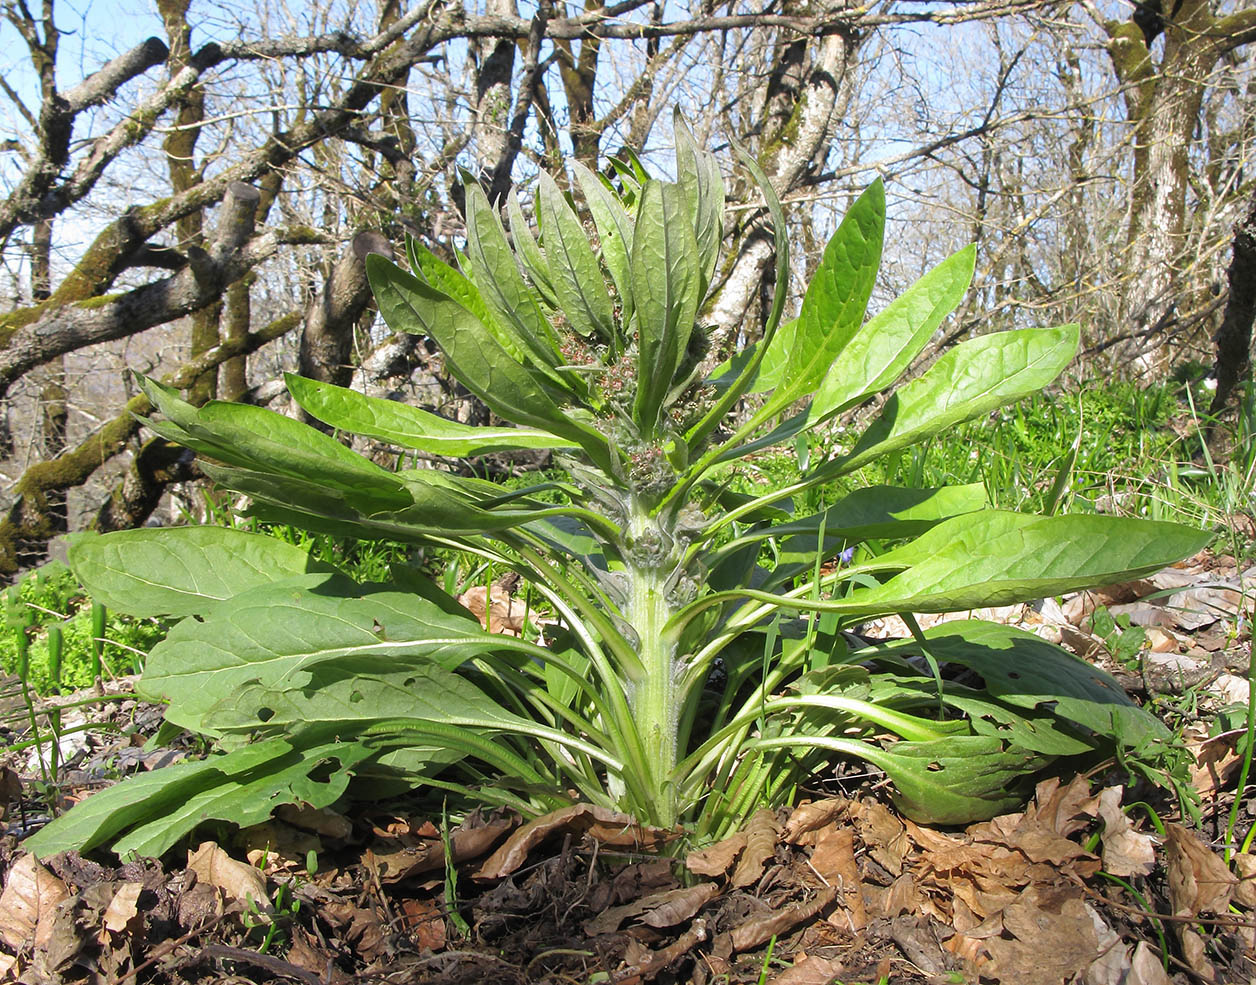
(1234, 338)
(494, 60)
(27, 523)
(157, 464)
(327, 341)
(1163, 100)
(59, 330)
(807, 101)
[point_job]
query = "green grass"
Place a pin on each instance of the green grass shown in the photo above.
(49, 597)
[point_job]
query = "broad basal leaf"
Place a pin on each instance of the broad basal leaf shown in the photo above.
(140, 798)
(178, 571)
(278, 633)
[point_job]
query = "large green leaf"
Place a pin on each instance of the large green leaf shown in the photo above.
(302, 776)
(884, 347)
(1026, 671)
(251, 437)
(278, 633)
(337, 701)
(975, 377)
(140, 798)
(666, 286)
(698, 173)
(409, 427)
(881, 512)
(475, 357)
(614, 230)
(575, 273)
(178, 571)
(501, 285)
(531, 255)
(834, 304)
(998, 558)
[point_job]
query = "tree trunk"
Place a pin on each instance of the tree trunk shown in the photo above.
(1234, 338)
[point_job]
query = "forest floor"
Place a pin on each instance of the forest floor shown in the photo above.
(1099, 880)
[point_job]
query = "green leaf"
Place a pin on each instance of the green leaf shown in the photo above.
(882, 350)
(533, 258)
(500, 284)
(1026, 671)
(999, 558)
(958, 779)
(698, 173)
(139, 798)
(975, 377)
(666, 291)
(179, 571)
(577, 277)
(475, 357)
(409, 427)
(277, 634)
(881, 512)
(251, 437)
(248, 799)
(614, 230)
(835, 302)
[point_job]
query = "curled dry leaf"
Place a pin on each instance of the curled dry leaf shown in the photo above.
(497, 610)
(1199, 881)
(657, 910)
(812, 816)
(1145, 968)
(238, 881)
(31, 894)
(882, 833)
(1053, 939)
(834, 860)
(760, 930)
(761, 834)
(715, 860)
(606, 826)
(317, 820)
(809, 971)
(1245, 889)
(1126, 852)
(123, 909)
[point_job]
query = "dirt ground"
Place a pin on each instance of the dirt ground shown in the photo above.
(838, 887)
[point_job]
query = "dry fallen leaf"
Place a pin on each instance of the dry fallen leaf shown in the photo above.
(1126, 852)
(715, 860)
(504, 613)
(761, 834)
(238, 881)
(812, 816)
(657, 910)
(1199, 881)
(1145, 968)
(31, 894)
(759, 930)
(1245, 890)
(834, 859)
(882, 833)
(606, 826)
(809, 971)
(1054, 939)
(123, 908)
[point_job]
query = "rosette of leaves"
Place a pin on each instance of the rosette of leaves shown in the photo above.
(701, 665)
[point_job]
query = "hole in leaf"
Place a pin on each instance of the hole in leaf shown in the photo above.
(355, 697)
(265, 714)
(934, 767)
(1013, 675)
(409, 682)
